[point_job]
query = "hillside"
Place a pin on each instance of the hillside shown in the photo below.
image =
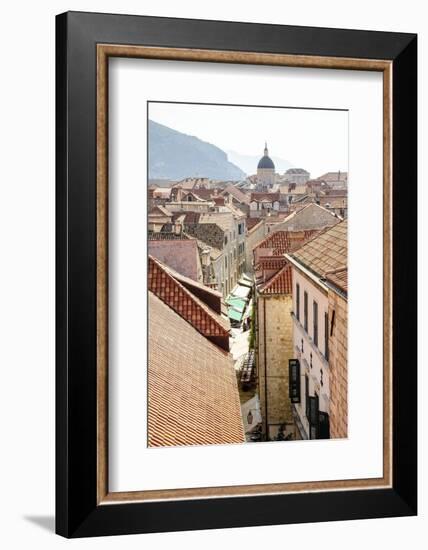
(174, 156)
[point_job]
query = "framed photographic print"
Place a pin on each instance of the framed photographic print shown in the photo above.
(236, 274)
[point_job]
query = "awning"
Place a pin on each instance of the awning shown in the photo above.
(246, 280)
(236, 303)
(249, 309)
(234, 314)
(241, 291)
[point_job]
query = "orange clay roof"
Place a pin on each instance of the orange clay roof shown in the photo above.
(326, 252)
(193, 395)
(161, 281)
(281, 242)
(280, 283)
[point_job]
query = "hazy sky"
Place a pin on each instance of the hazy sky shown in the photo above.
(316, 140)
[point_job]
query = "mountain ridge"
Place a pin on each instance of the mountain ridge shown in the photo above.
(174, 155)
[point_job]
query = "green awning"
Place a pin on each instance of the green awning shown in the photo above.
(234, 315)
(236, 303)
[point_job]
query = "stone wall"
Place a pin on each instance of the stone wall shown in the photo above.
(338, 365)
(276, 339)
(254, 236)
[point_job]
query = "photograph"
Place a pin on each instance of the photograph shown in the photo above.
(247, 209)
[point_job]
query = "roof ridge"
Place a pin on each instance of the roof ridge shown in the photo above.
(211, 313)
(268, 284)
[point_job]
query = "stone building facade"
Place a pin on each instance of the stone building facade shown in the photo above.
(338, 353)
(320, 334)
(296, 175)
(274, 349)
(256, 232)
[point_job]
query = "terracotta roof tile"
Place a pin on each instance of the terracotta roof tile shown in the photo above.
(339, 278)
(326, 252)
(252, 222)
(239, 195)
(171, 291)
(280, 242)
(259, 196)
(270, 263)
(279, 283)
(192, 390)
(311, 216)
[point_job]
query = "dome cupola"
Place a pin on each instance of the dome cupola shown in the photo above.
(266, 161)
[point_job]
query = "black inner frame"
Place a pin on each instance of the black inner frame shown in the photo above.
(77, 513)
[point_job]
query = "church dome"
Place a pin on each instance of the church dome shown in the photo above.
(266, 161)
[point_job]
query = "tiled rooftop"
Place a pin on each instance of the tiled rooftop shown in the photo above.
(311, 216)
(334, 176)
(339, 278)
(280, 283)
(165, 235)
(209, 233)
(252, 222)
(280, 242)
(166, 285)
(326, 252)
(237, 194)
(222, 219)
(180, 254)
(263, 197)
(192, 390)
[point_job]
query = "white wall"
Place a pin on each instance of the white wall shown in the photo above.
(315, 366)
(27, 270)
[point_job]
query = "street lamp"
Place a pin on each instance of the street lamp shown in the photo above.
(250, 416)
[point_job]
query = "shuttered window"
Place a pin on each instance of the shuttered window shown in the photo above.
(294, 380)
(307, 396)
(305, 311)
(298, 301)
(315, 323)
(326, 335)
(313, 417)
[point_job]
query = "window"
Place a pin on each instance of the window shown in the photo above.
(313, 417)
(315, 323)
(307, 396)
(294, 380)
(326, 335)
(298, 301)
(240, 228)
(305, 311)
(323, 425)
(225, 262)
